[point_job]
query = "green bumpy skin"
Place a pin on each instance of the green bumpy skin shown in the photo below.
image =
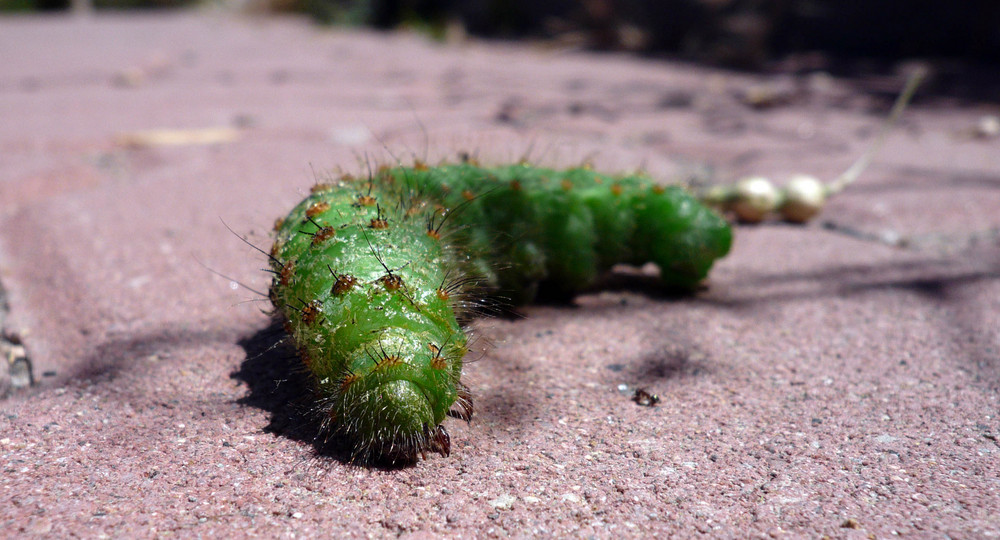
(360, 288)
(528, 226)
(372, 285)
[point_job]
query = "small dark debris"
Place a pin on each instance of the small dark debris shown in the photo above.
(643, 398)
(616, 367)
(17, 372)
(850, 523)
(676, 99)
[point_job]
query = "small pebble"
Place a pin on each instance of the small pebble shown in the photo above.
(988, 126)
(850, 523)
(503, 502)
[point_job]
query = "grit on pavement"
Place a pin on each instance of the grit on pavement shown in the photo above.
(839, 378)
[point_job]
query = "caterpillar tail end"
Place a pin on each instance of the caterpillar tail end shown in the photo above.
(686, 260)
(407, 450)
(392, 425)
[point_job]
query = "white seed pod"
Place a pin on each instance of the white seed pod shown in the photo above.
(804, 197)
(753, 198)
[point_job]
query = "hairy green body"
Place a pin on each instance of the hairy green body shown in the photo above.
(372, 276)
(527, 226)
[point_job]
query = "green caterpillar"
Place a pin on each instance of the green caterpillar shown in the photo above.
(373, 276)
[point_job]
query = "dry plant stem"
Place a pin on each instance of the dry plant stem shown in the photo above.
(854, 171)
(753, 199)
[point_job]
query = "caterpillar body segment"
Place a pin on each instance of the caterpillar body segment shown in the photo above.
(384, 350)
(564, 228)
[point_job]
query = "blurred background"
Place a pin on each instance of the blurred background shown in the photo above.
(747, 34)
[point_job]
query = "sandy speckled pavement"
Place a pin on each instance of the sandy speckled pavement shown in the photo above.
(823, 383)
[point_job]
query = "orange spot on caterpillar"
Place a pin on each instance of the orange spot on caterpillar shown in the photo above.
(392, 360)
(285, 275)
(343, 284)
(659, 190)
(443, 294)
(434, 234)
(379, 221)
(420, 165)
(322, 235)
(437, 361)
(515, 185)
(317, 208)
(321, 187)
(366, 200)
(311, 311)
(347, 381)
(468, 195)
(386, 361)
(278, 223)
(392, 282)
(616, 189)
(566, 185)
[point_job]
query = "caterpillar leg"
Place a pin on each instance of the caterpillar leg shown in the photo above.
(464, 404)
(438, 441)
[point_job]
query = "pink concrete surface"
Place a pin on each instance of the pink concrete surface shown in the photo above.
(822, 384)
